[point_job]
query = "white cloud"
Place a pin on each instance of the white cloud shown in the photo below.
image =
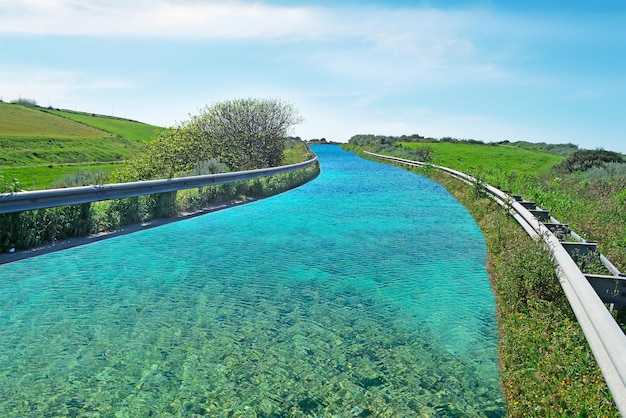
(55, 86)
(159, 19)
(384, 45)
(350, 69)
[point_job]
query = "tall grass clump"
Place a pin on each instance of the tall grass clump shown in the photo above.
(33, 228)
(9, 186)
(82, 177)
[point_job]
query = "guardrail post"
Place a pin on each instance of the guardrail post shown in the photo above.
(561, 231)
(580, 250)
(611, 289)
(541, 214)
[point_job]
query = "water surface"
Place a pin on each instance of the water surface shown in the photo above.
(361, 293)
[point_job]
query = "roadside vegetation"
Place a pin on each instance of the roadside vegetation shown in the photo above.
(215, 141)
(547, 367)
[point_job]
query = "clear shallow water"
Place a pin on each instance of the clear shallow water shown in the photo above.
(362, 293)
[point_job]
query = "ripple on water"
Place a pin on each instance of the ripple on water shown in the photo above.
(362, 293)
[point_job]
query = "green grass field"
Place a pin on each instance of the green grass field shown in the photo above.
(27, 122)
(136, 131)
(476, 158)
(39, 145)
(25, 151)
(34, 178)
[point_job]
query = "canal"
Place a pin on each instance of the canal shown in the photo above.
(361, 293)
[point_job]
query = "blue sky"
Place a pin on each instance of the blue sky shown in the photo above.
(539, 71)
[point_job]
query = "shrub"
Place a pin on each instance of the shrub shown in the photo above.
(6, 186)
(423, 154)
(586, 159)
(210, 166)
(612, 170)
(82, 177)
(25, 102)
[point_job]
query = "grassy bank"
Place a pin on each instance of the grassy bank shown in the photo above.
(130, 129)
(547, 367)
(592, 202)
(51, 148)
(41, 177)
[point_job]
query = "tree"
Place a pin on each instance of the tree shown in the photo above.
(243, 134)
(173, 152)
(246, 134)
(25, 102)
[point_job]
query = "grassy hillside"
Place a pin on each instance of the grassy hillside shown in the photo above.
(136, 131)
(18, 121)
(40, 145)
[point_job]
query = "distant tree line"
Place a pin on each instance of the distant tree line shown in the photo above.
(380, 142)
(393, 144)
(377, 140)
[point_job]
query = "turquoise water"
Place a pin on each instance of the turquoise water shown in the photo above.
(361, 293)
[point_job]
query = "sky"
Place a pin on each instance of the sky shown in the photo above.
(537, 70)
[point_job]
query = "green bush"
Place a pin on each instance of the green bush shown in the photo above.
(32, 228)
(611, 170)
(210, 166)
(586, 159)
(161, 205)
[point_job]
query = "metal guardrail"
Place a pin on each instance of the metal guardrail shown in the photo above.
(604, 335)
(22, 201)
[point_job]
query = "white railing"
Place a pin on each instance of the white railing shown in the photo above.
(604, 335)
(30, 200)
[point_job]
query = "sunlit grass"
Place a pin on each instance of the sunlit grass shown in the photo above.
(44, 176)
(25, 122)
(472, 158)
(133, 130)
